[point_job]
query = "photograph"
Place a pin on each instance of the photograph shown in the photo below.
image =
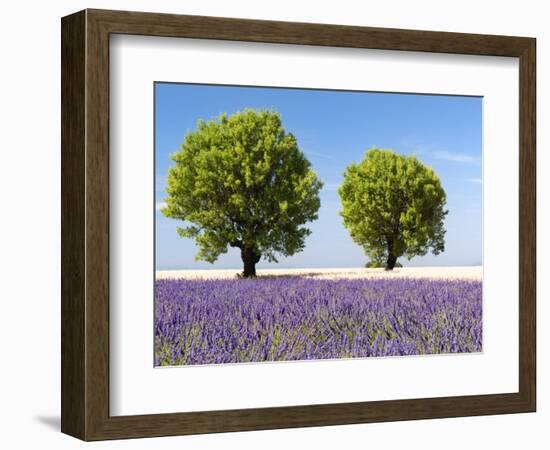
(280, 221)
(296, 224)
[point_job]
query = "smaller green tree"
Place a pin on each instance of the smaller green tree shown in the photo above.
(241, 181)
(393, 206)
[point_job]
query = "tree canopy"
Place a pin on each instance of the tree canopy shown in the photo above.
(393, 206)
(241, 181)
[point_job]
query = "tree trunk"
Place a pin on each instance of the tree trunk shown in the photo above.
(391, 261)
(250, 258)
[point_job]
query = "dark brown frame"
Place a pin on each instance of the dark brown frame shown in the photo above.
(85, 224)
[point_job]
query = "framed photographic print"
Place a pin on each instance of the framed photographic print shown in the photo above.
(271, 225)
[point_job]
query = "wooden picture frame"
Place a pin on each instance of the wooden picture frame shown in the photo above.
(85, 224)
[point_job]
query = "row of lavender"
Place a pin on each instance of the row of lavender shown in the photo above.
(293, 318)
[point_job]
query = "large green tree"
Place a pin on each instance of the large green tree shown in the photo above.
(241, 181)
(393, 206)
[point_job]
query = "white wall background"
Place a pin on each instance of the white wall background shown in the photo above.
(30, 225)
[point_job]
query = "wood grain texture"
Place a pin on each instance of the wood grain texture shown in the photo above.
(527, 224)
(171, 25)
(73, 227)
(85, 224)
(97, 225)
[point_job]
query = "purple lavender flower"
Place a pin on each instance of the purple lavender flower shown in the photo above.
(292, 318)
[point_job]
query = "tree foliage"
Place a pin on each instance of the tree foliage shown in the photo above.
(393, 206)
(242, 181)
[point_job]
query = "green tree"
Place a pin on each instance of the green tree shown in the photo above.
(242, 181)
(393, 206)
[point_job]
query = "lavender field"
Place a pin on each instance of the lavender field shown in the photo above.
(296, 318)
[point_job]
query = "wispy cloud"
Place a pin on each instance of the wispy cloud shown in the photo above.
(456, 157)
(160, 183)
(475, 180)
(331, 186)
(330, 204)
(159, 205)
(319, 155)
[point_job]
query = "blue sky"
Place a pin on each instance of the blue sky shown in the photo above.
(334, 128)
